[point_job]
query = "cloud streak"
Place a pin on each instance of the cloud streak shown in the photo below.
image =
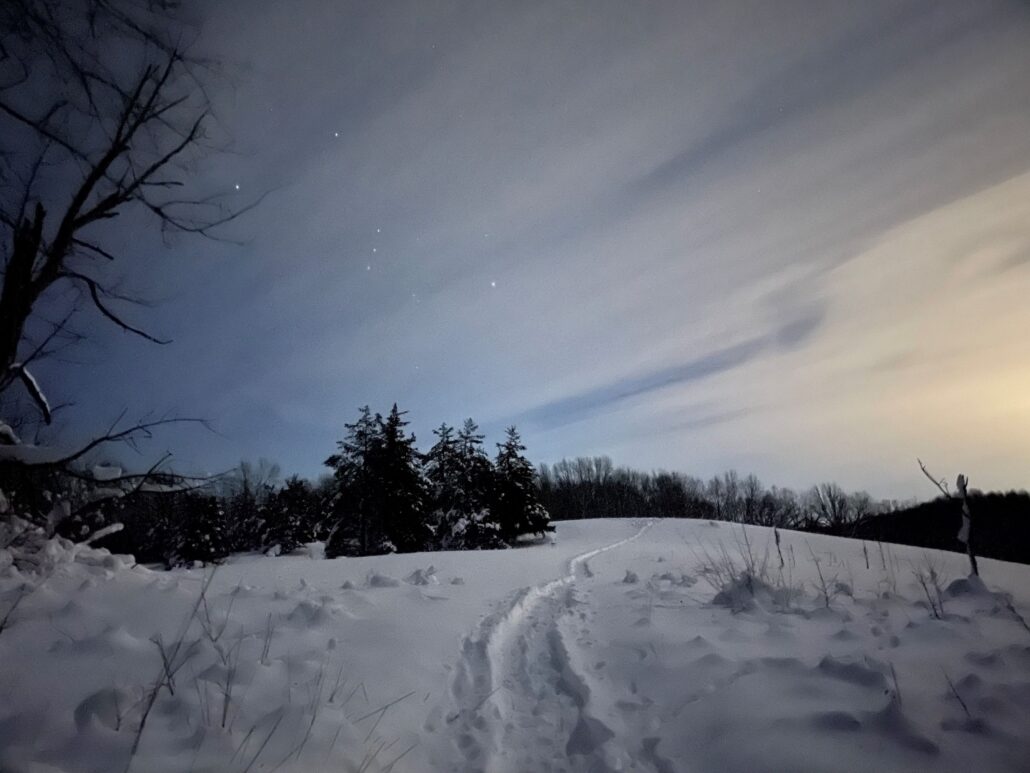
(593, 218)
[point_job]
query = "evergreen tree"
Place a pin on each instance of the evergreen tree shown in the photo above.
(461, 478)
(203, 533)
(515, 504)
(355, 528)
(291, 516)
(381, 495)
(441, 466)
(402, 495)
(241, 510)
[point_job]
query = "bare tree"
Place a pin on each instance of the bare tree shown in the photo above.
(965, 534)
(834, 508)
(751, 492)
(102, 113)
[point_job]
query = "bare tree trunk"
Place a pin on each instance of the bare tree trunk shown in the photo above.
(965, 534)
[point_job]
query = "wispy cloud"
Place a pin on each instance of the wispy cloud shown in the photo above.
(591, 217)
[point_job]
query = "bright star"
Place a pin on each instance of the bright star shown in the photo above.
(237, 186)
(493, 284)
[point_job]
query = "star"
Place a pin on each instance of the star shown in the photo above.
(493, 284)
(237, 186)
(374, 249)
(378, 230)
(336, 134)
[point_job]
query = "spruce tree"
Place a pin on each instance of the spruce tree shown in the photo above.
(291, 515)
(204, 533)
(381, 494)
(481, 528)
(356, 528)
(442, 479)
(402, 494)
(461, 479)
(515, 502)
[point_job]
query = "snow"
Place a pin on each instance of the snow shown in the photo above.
(28, 453)
(8, 437)
(34, 390)
(106, 472)
(623, 645)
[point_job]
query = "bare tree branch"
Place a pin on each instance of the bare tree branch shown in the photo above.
(941, 485)
(118, 138)
(129, 436)
(94, 292)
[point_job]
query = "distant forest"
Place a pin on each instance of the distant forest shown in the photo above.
(592, 487)
(383, 495)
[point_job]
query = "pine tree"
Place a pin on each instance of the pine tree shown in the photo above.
(442, 469)
(203, 533)
(381, 496)
(355, 527)
(461, 478)
(515, 502)
(291, 516)
(402, 494)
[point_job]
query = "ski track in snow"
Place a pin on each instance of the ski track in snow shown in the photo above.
(522, 705)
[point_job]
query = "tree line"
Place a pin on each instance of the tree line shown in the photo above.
(592, 487)
(383, 496)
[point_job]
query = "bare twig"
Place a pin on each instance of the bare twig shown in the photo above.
(954, 692)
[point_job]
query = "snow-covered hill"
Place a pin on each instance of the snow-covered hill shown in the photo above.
(624, 645)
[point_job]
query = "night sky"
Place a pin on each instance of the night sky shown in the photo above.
(789, 238)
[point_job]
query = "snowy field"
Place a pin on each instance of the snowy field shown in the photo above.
(626, 645)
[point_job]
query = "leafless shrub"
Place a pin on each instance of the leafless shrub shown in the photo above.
(267, 642)
(173, 656)
(931, 581)
(828, 588)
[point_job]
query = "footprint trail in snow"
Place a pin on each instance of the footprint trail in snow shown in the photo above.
(522, 704)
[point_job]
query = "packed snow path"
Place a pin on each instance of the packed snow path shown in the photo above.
(522, 704)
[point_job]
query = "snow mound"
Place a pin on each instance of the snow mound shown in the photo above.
(861, 673)
(679, 579)
(745, 592)
(425, 576)
(377, 580)
(113, 642)
(308, 614)
(968, 586)
(315, 550)
(40, 556)
(105, 707)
